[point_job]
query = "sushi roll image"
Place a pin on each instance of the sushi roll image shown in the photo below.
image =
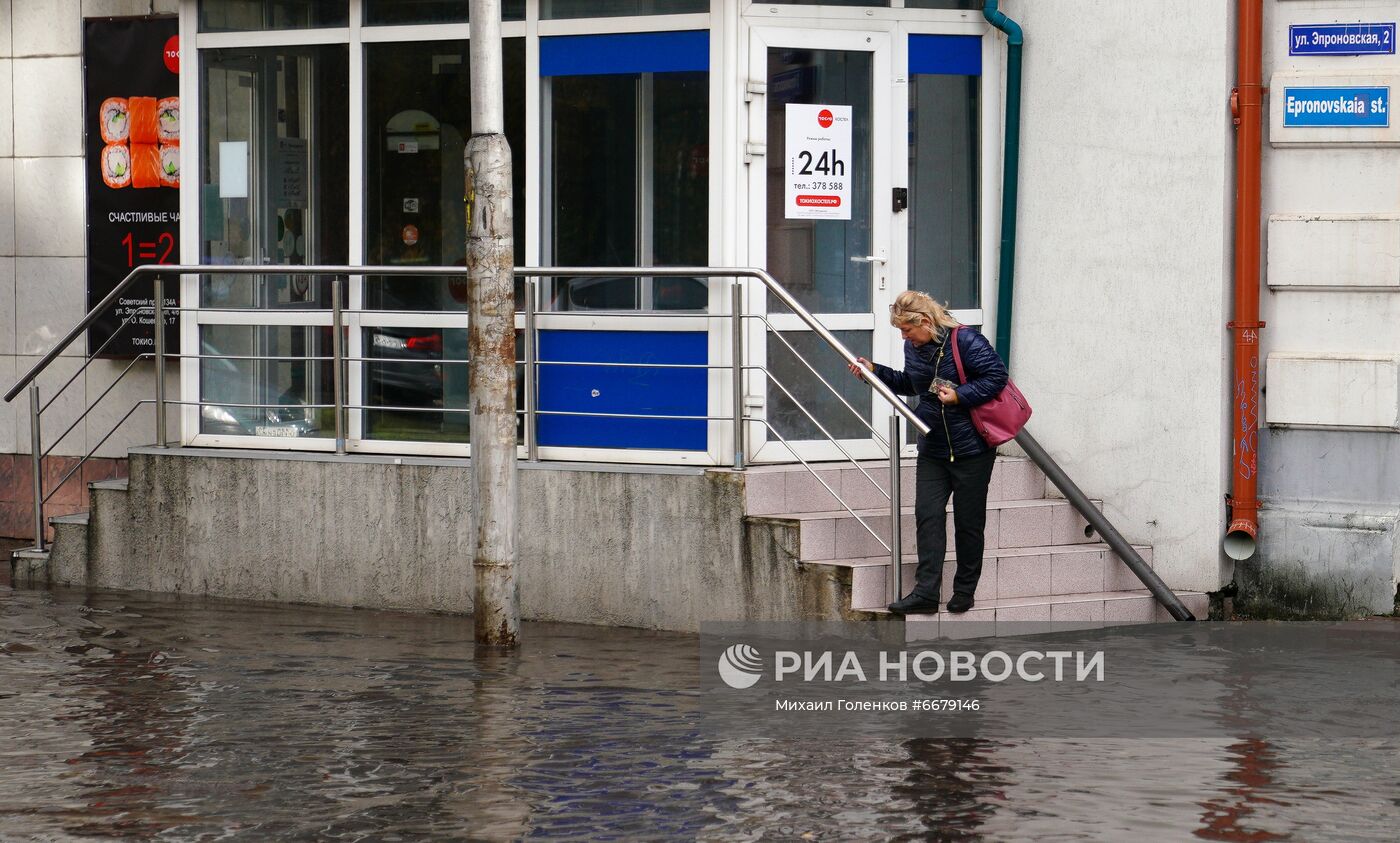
(145, 165)
(142, 112)
(116, 165)
(168, 120)
(169, 165)
(112, 118)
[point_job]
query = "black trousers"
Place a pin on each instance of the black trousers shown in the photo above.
(966, 480)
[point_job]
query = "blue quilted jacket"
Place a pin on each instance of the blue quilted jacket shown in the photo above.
(951, 433)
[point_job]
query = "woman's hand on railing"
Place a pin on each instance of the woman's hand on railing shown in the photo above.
(866, 365)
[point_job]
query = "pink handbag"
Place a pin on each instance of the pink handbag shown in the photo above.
(1000, 419)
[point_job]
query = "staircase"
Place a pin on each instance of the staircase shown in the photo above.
(1041, 564)
(652, 548)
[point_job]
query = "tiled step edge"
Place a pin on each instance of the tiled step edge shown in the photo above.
(1019, 616)
(1008, 572)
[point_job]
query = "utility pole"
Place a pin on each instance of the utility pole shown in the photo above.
(491, 340)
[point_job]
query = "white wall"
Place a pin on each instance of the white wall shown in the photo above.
(1123, 275)
(1329, 487)
(1333, 277)
(43, 272)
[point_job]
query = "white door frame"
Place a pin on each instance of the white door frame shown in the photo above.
(877, 40)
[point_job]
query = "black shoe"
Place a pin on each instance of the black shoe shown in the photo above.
(961, 602)
(914, 604)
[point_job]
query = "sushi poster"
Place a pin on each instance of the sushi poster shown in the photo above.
(131, 79)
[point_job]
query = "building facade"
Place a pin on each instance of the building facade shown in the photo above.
(654, 133)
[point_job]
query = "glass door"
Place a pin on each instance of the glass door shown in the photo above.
(819, 141)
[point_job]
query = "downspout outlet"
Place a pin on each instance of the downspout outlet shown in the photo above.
(1240, 540)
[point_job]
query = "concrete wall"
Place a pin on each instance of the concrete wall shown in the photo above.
(43, 272)
(1331, 454)
(1123, 264)
(662, 549)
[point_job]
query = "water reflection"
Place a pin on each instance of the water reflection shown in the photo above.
(953, 786)
(136, 716)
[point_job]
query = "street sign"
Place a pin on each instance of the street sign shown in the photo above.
(1341, 39)
(1337, 107)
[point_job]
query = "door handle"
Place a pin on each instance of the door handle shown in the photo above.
(867, 259)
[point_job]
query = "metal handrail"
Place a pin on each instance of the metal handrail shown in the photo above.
(1053, 471)
(774, 288)
(779, 335)
(892, 549)
(36, 411)
(772, 378)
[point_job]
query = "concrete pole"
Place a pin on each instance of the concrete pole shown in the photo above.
(491, 340)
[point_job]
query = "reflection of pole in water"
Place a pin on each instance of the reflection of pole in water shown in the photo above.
(1242, 711)
(1252, 776)
(954, 784)
(494, 751)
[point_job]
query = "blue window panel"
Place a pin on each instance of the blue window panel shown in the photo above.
(619, 389)
(633, 52)
(945, 55)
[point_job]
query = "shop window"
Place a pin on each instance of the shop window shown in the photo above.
(272, 190)
(565, 9)
(908, 4)
(875, 3)
(416, 384)
(967, 5)
(378, 12)
(257, 15)
(256, 380)
(627, 166)
(945, 167)
(417, 123)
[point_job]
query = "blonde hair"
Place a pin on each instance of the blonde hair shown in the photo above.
(912, 307)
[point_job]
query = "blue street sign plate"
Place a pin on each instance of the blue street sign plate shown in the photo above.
(1346, 107)
(1341, 39)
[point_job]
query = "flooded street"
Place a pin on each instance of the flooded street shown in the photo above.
(139, 716)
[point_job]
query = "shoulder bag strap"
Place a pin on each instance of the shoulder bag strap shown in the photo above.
(957, 358)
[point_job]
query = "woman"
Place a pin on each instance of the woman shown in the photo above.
(953, 458)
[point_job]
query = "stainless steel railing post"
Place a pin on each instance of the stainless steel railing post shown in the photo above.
(896, 584)
(338, 361)
(158, 333)
(737, 371)
(37, 452)
(532, 445)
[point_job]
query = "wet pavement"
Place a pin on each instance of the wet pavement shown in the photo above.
(135, 716)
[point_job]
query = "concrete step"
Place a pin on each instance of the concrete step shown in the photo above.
(68, 560)
(29, 568)
(1006, 573)
(789, 489)
(1023, 615)
(1010, 524)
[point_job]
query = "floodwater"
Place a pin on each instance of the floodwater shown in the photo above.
(136, 716)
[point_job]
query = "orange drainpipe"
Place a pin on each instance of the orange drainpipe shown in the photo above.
(1246, 105)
